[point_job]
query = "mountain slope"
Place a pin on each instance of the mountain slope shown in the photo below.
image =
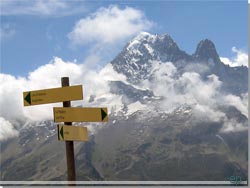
(180, 117)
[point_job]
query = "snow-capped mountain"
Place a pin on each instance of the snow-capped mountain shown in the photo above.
(176, 112)
(135, 61)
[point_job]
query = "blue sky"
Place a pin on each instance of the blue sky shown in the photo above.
(33, 32)
(44, 40)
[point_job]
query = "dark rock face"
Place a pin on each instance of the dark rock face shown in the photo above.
(206, 51)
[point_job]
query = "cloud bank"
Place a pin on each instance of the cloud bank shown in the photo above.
(190, 89)
(7, 130)
(48, 76)
(240, 59)
(186, 89)
(109, 25)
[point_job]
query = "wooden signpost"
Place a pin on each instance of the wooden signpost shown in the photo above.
(66, 114)
(70, 156)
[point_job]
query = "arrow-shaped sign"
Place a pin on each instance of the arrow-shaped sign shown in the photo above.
(72, 133)
(53, 95)
(80, 114)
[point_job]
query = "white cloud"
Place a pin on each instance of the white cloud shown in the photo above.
(240, 59)
(240, 104)
(7, 130)
(190, 89)
(134, 107)
(6, 31)
(49, 76)
(10, 94)
(208, 113)
(108, 73)
(109, 25)
(233, 126)
(41, 7)
(195, 67)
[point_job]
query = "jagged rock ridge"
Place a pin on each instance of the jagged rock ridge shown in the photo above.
(135, 60)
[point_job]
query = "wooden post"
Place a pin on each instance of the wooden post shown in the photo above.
(69, 144)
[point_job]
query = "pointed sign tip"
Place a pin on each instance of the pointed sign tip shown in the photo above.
(28, 98)
(104, 114)
(61, 133)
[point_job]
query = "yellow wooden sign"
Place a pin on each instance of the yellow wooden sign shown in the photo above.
(72, 133)
(52, 95)
(80, 114)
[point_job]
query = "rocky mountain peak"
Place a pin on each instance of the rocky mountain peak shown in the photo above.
(144, 36)
(135, 59)
(166, 38)
(153, 40)
(206, 50)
